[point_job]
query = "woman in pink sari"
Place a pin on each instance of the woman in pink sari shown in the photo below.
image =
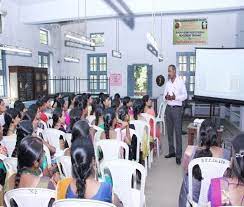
(229, 190)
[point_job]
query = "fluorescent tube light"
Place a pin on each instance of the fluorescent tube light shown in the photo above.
(116, 54)
(15, 49)
(71, 59)
(152, 41)
(81, 39)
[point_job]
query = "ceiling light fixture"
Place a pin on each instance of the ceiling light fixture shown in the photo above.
(15, 49)
(71, 59)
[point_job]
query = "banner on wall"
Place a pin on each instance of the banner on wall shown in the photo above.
(190, 31)
(115, 79)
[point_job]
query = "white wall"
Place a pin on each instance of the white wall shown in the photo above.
(222, 28)
(18, 34)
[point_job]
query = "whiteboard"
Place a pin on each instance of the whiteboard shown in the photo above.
(220, 73)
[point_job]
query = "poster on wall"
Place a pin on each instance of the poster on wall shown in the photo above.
(190, 31)
(115, 79)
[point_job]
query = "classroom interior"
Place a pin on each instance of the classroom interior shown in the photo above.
(92, 52)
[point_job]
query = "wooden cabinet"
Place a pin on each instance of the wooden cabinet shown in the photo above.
(27, 83)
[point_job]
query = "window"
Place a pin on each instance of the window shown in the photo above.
(43, 37)
(2, 74)
(139, 80)
(43, 60)
(97, 73)
(186, 65)
(98, 38)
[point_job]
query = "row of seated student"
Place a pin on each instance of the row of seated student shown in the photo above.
(68, 114)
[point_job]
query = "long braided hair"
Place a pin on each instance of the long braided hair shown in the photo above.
(109, 116)
(82, 159)
(29, 151)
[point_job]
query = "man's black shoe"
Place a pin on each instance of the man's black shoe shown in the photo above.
(170, 155)
(178, 161)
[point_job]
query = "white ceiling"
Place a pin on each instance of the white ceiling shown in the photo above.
(45, 11)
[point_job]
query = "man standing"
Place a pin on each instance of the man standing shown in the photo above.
(174, 94)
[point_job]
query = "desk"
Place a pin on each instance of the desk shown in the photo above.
(192, 134)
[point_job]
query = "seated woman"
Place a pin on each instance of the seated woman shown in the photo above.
(128, 104)
(75, 115)
(99, 121)
(208, 142)
(71, 100)
(29, 174)
(59, 119)
(63, 104)
(229, 190)
(12, 119)
(82, 104)
(105, 101)
(110, 122)
(83, 183)
(148, 105)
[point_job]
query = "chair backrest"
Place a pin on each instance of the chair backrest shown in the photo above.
(64, 166)
(161, 110)
(29, 197)
(122, 172)
(150, 118)
(9, 142)
(111, 149)
(52, 136)
(42, 125)
(81, 203)
(97, 136)
(140, 127)
(91, 118)
(68, 137)
(49, 123)
(10, 164)
(211, 167)
(48, 155)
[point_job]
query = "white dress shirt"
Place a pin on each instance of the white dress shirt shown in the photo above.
(178, 88)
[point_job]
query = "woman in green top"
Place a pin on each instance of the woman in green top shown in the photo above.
(99, 121)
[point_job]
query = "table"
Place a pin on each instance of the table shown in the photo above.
(192, 134)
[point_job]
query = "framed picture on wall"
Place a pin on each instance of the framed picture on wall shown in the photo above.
(98, 38)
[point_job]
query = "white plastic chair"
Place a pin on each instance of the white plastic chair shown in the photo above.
(140, 127)
(211, 167)
(52, 137)
(49, 123)
(149, 117)
(111, 150)
(29, 197)
(42, 125)
(10, 164)
(64, 166)
(48, 155)
(68, 137)
(97, 136)
(9, 142)
(90, 118)
(81, 203)
(122, 172)
(161, 116)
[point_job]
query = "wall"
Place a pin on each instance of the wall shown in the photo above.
(16, 33)
(133, 44)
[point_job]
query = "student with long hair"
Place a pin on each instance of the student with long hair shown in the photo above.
(59, 119)
(99, 121)
(62, 103)
(209, 148)
(75, 115)
(127, 102)
(81, 103)
(229, 190)
(89, 103)
(20, 107)
(71, 100)
(2, 111)
(29, 174)
(138, 109)
(12, 118)
(42, 104)
(110, 122)
(84, 184)
(106, 101)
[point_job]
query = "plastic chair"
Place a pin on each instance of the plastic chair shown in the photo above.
(149, 117)
(81, 203)
(29, 197)
(48, 155)
(97, 136)
(10, 164)
(52, 136)
(68, 137)
(111, 150)
(211, 167)
(42, 125)
(9, 142)
(122, 172)
(161, 116)
(49, 123)
(91, 118)
(141, 127)
(64, 166)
